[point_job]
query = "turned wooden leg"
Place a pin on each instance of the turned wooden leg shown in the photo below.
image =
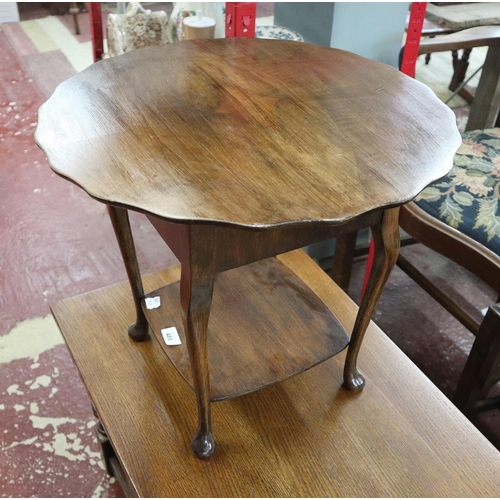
(196, 300)
(459, 68)
(102, 438)
(386, 240)
(74, 11)
(121, 225)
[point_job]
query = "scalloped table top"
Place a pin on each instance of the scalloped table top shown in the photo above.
(247, 132)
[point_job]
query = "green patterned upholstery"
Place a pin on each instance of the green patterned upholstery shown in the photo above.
(468, 197)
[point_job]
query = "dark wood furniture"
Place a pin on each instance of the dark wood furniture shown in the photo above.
(482, 370)
(305, 437)
(238, 150)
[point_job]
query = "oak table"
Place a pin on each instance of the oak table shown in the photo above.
(238, 150)
(305, 437)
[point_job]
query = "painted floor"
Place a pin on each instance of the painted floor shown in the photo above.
(56, 242)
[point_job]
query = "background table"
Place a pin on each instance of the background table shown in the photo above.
(464, 15)
(460, 16)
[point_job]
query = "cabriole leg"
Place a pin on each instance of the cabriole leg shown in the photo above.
(121, 225)
(196, 300)
(386, 239)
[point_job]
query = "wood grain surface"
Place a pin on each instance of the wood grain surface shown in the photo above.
(462, 15)
(304, 437)
(247, 132)
(265, 326)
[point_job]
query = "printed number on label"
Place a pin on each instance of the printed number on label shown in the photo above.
(171, 336)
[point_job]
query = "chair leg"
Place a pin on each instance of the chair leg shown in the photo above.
(482, 368)
(74, 11)
(460, 69)
(343, 259)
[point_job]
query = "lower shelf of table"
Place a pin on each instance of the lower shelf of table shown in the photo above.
(265, 326)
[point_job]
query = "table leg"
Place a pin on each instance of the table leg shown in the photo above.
(74, 10)
(343, 258)
(196, 301)
(104, 444)
(121, 225)
(459, 71)
(484, 109)
(386, 239)
(459, 68)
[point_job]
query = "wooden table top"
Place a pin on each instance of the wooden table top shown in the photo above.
(247, 132)
(304, 437)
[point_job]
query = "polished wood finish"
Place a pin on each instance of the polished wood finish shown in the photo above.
(225, 247)
(121, 225)
(196, 288)
(386, 239)
(345, 245)
(305, 437)
(205, 250)
(197, 145)
(279, 326)
(246, 149)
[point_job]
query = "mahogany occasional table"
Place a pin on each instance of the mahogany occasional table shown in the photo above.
(238, 150)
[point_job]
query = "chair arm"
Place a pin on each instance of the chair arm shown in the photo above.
(480, 36)
(451, 243)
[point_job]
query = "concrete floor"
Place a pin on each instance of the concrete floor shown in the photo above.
(57, 242)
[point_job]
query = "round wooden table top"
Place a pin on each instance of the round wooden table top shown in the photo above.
(247, 132)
